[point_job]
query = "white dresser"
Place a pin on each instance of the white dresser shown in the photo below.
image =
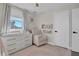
(16, 42)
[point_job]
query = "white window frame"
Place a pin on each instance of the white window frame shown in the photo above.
(9, 15)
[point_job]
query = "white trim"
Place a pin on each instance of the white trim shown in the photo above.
(59, 46)
(51, 43)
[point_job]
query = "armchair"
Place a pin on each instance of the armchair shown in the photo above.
(38, 37)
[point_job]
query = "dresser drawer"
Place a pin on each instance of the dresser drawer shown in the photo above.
(29, 38)
(12, 45)
(26, 37)
(11, 39)
(24, 44)
(26, 41)
(23, 39)
(15, 43)
(27, 44)
(12, 50)
(11, 42)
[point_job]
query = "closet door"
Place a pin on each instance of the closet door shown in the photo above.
(75, 30)
(61, 29)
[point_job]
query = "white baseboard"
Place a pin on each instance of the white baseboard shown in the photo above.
(51, 43)
(58, 45)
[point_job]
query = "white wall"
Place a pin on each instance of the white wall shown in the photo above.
(49, 18)
(46, 18)
(29, 23)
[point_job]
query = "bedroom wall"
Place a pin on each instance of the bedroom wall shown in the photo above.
(29, 20)
(49, 18)
(45, 18)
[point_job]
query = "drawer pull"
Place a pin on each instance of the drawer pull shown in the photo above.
(56, 31)
(74, 32)
(11, 49)
(11, 44)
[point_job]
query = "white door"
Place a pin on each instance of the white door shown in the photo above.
(75, 30)
(61, 29)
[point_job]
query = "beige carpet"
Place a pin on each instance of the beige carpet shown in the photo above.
(45, 50)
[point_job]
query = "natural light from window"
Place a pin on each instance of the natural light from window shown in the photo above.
(15, 24)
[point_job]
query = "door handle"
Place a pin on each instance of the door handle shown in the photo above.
(74, 32)
(56, 31)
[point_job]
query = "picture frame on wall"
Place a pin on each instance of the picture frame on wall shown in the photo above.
(47, 26)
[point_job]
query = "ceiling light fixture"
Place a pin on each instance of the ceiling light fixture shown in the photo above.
(37, 5)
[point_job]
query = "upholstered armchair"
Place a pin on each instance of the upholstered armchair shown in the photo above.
(38, 37)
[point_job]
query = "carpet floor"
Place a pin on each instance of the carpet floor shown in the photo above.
(44, 50)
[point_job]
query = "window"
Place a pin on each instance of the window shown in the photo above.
(15, 22)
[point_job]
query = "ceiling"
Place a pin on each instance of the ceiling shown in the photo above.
(43, 7)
